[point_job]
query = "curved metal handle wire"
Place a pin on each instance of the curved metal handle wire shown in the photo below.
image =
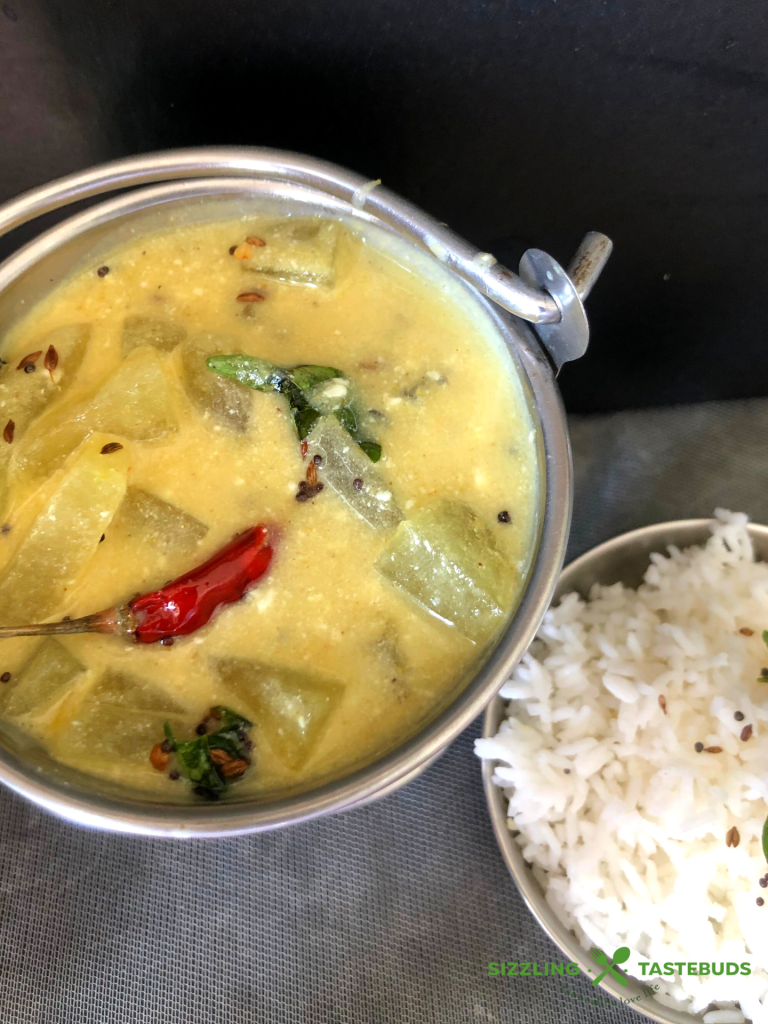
(480, 269)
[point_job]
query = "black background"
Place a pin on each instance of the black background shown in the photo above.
(518, 123)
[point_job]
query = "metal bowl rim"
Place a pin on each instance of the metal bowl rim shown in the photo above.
(404, 762)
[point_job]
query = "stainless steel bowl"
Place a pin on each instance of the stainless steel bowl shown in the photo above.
(621, 560)
(198, 185)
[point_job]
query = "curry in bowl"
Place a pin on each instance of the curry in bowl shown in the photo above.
(274, 494)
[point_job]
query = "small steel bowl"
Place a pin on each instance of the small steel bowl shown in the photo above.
(623, 559)
(183, 186)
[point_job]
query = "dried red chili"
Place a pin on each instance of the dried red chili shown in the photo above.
(180, 607)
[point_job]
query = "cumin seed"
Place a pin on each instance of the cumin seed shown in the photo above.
(220, 757)
(746, 733)
(663, 703)
(113, 446)
(233, 769)
(250, 297)
(51, 359)
(10, 426)
(29, 360)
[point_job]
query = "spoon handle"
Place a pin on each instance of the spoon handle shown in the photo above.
(102, 622)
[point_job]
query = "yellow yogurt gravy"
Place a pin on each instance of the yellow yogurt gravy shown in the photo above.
(333, 662)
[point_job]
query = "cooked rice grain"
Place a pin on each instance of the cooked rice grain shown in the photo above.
(630, 843)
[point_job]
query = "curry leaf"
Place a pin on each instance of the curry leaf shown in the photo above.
(308, 376)
(304, 416)
(347, 419)
(765, 839)
(194, 760)
(304, 419)
(249, 370)
(232, 733)
(371, 449)
(193, 757)
(295, 382)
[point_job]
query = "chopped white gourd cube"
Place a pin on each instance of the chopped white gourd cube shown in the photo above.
(301, 250)
(447, 559)
(42, 452)
(118, 722)
(42, 682)
(290, 708)
(65, 535)
(347, 470)
(157, 331)
(23, 396)
(164, 527)
(224, 399)
(136, 402)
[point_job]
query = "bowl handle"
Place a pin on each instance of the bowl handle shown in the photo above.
(544, 294)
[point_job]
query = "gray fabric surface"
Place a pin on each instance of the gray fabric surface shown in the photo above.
(390, 913)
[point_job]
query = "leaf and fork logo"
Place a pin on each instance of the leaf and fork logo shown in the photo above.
(621, 956)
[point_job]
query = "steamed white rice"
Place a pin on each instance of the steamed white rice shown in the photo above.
(624, 822)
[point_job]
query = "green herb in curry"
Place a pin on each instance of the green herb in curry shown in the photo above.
(312, 391)
(215, 759)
